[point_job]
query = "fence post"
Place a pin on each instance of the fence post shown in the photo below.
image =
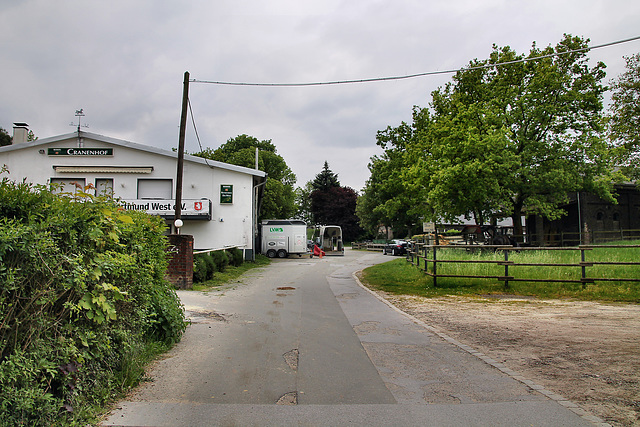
(426, 264)
(435, 273)
(584, 268)
(506, 269)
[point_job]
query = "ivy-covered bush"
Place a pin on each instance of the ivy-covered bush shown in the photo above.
(82, 297)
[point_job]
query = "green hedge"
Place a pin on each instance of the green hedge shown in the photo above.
(205, 265)
(82, 298)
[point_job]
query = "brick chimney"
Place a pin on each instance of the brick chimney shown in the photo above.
(20, 132)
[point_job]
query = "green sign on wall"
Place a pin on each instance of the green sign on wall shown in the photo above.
(226, 194)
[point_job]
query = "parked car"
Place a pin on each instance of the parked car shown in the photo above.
(395, 247)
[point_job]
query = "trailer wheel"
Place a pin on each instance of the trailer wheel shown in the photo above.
(271, 253)
(282, 253)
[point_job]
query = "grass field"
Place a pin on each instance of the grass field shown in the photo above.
(401, 277)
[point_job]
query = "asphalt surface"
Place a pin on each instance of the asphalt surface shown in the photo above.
(301, 343)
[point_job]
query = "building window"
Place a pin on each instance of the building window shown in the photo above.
(104, 187)
(67, 185)
(155, 189)
(600, 221)
(616, 220)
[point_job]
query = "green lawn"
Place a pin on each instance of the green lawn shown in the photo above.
(401, 277)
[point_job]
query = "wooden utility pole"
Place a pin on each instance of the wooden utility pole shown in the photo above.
(183, 128)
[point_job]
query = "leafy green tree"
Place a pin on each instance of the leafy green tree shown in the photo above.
(387, 200)
(279, 195)
(624, 116)
(303, 202)
(514, 139)
(461, 167)
(5, 138)
(368, 218)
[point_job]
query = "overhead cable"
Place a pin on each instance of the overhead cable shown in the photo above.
(193, 120)
(411, 76)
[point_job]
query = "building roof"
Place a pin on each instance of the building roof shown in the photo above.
(133, 146)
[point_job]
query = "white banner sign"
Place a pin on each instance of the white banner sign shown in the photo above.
(191, 208)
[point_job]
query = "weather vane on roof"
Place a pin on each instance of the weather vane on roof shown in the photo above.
(79, 115)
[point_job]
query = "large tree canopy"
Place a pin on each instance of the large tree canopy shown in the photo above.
(387, 200)
(624, 122)
(512, 139)
(279, 197)
(337, 206)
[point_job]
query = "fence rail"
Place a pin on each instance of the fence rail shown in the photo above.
(368, 246)
(429, 256)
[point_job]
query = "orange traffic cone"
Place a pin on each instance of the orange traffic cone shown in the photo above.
(317, 251)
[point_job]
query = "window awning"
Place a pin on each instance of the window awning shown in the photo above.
(103, 169)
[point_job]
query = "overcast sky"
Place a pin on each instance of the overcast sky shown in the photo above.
(123, 63)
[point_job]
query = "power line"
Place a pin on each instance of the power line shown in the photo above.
(193, 120)
(411, 76)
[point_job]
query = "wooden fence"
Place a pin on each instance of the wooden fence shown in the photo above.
(430, 260)
(368, 246)
(593, 237)
(563, 239)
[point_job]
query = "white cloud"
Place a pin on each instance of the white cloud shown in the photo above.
(123, 62)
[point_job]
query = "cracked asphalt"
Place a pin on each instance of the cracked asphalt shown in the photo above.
(300, 342)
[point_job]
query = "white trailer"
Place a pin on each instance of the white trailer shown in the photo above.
(330, 239)
(281, 237)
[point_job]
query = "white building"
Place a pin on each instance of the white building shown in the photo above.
(220, 201)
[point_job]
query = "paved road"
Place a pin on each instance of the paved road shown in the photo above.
(301, 343)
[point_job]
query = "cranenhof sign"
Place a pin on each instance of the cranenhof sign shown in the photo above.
(80, 152)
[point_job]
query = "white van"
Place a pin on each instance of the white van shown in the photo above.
(329, 239)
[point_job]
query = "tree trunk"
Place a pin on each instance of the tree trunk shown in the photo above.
(540, 230)
(516, 218)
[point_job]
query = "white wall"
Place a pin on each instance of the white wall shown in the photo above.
(230, 225)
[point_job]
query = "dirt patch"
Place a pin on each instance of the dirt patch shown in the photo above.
(196, 315)
(587, 352)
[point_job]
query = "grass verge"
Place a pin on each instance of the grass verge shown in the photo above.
(231, 273)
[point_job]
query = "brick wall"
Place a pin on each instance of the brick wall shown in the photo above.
(180, 270)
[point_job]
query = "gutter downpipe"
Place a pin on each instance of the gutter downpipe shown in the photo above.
(255, 214)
